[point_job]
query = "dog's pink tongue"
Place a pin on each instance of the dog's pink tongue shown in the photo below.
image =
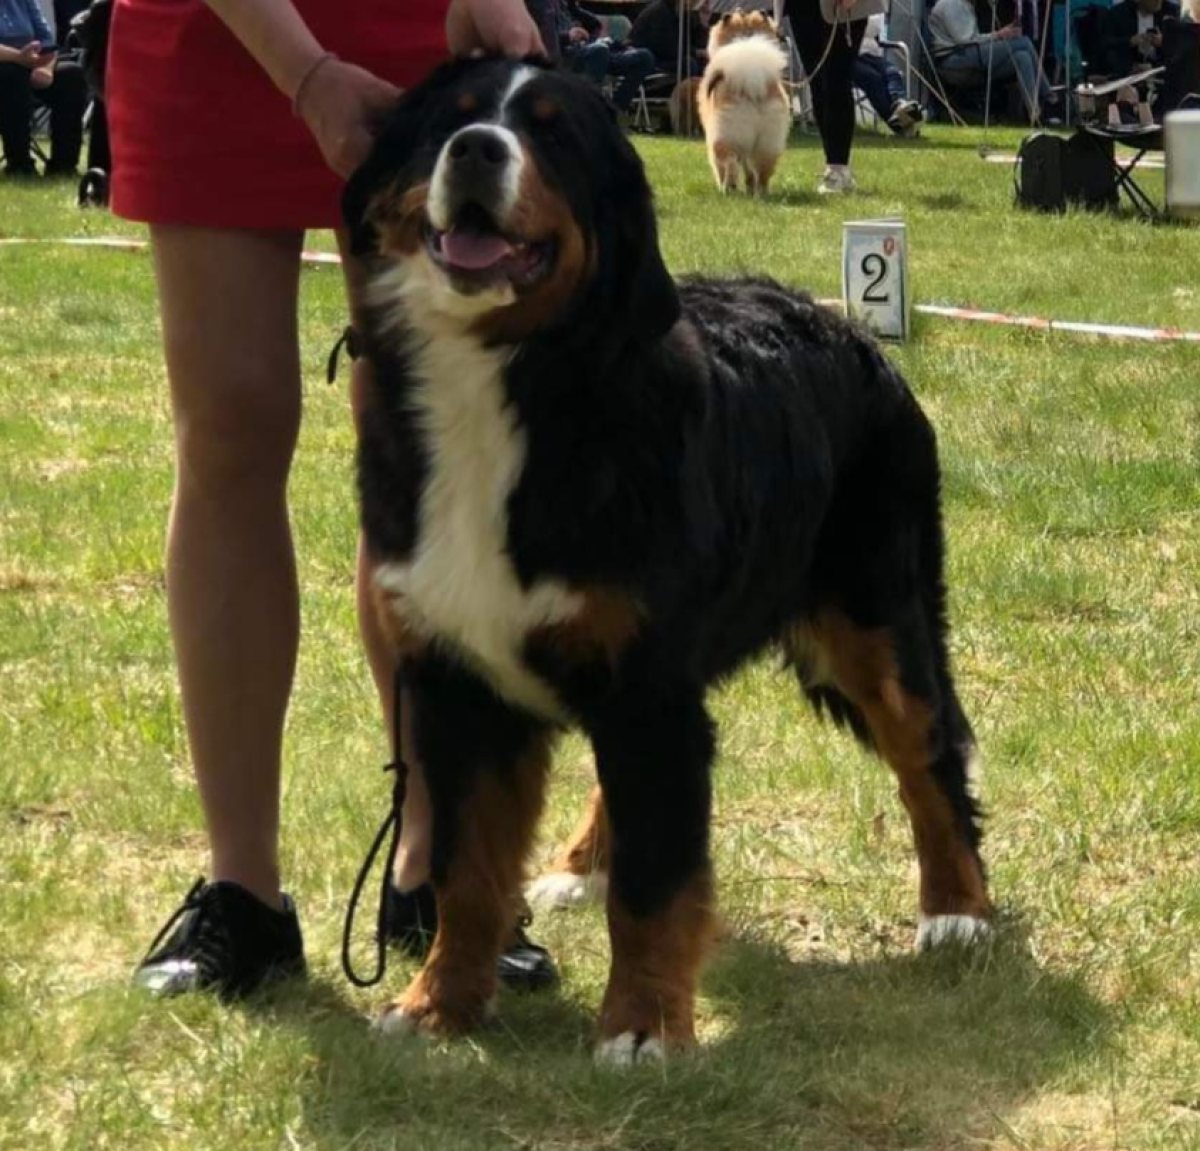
(464, 248)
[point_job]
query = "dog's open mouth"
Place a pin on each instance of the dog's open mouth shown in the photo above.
(477, 254)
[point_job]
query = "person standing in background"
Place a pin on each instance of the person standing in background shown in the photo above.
(828, 34)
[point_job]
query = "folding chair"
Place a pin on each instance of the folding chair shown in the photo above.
(39, 130)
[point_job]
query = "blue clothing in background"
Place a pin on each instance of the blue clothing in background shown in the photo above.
(21, 22)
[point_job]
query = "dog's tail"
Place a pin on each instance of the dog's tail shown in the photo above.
(748, 69)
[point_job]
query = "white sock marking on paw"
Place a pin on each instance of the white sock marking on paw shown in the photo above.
(564, 889)
(393, 1021)
(935, 930)
(624, 1050)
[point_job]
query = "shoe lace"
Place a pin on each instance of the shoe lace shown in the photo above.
(193, 901)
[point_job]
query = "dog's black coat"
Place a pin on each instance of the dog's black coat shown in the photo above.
(727, 453)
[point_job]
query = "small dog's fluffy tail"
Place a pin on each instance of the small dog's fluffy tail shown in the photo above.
(748, 69)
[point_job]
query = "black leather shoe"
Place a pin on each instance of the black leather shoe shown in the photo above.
(411, 921)
(226, 941)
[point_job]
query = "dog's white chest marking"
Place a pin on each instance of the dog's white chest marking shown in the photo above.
(460, 586)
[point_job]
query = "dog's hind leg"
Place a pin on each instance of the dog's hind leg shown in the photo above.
(485, 766)
(884, 674)
(878, 659)
(763, 168)
(724, 163)
(580, 870)
(654, 750)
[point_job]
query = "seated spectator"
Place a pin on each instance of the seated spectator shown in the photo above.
(960, 48)
(586, 51)
(25, 70)
(657, 30)
(881, 82)
(1133, 35)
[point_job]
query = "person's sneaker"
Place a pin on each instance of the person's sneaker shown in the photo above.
(226, 941)
(411, 923)
(837, 181)
(905, 116)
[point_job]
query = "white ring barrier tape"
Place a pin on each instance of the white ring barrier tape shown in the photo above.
(1036, 323)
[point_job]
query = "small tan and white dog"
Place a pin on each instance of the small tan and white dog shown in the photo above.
(744, 106)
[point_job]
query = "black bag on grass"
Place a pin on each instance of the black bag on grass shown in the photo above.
(1053, 172)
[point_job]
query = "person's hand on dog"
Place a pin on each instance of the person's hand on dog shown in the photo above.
(342, 104)
(503, 26)
(41, 78)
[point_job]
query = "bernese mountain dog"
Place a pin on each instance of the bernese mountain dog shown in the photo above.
(588, 493)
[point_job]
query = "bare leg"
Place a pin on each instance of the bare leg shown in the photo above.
(228, 301)
(412, 859)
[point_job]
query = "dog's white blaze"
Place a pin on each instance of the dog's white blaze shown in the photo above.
(438, 206)
(624, 1051)
(561, 889)
(935, 930)
(460, 584)
(520, 78)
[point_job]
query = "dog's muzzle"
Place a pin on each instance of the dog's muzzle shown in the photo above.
(472, 205)
(479, 167)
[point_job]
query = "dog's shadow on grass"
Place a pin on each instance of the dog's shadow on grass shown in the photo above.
(928, 1051)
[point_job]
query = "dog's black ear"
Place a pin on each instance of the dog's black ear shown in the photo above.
(653, 303)
(646, 291)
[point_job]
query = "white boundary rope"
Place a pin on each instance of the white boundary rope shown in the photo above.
(1038, 323)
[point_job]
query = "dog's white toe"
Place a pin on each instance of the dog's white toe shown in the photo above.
(393, 1021)
(936, 930)
(563, 889)
(629, 1048)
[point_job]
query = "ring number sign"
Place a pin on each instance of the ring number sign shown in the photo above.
(875, 276)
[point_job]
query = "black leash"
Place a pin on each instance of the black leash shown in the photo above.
(352, 342)
(393, 823)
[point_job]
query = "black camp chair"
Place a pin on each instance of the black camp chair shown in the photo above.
(1180, 89)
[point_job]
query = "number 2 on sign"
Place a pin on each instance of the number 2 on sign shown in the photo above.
(874, 265)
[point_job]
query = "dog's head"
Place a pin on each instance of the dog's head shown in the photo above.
(737, 25)
(502, 199)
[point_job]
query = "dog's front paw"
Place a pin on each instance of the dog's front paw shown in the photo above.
(559, 889)
(939, 930)
(629, 1049)
(419, 1012)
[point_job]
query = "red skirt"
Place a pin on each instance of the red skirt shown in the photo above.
(201, 136)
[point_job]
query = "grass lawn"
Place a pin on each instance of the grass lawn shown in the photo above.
(1073, 511)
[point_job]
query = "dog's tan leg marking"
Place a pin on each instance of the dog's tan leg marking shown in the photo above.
(724, 165)
(865, 670)
(455, 989)
(649, 1005)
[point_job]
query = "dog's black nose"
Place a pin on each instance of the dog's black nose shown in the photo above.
(478, 148)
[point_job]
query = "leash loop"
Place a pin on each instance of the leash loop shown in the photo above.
(393, 822)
